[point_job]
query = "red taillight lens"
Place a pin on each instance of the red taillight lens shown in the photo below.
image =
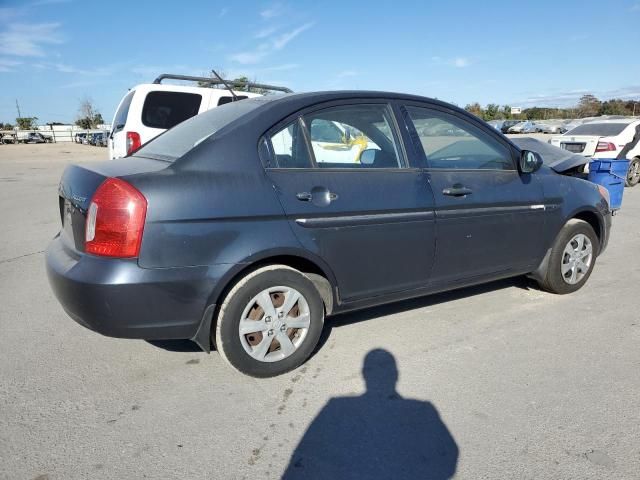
(133, 142)
(115, 220)
(605, 147)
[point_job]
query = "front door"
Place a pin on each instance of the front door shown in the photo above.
(368, 215)
(488, 215)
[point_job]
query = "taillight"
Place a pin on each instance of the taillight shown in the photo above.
(133, 142)
(115, 220)
(605, 147)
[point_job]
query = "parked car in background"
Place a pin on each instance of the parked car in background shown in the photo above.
(497, 124)
(557, 128)
(524, 127)
(606, 139)
(507, 124)
(79, 137)
(33, 137)
(235, 228)
(95, 138)
(9, 138)
(149, 109)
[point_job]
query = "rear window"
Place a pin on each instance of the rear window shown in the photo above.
(120, 118)
(176, 142)
(229, 99)
(599, 129)
(168, 109)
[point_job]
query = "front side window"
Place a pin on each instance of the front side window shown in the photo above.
(168, 109)
(449, 142)
(353, 136)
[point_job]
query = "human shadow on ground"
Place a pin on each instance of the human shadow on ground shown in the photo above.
(377, 435)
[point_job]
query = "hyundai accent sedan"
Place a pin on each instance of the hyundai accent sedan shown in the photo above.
(238, 231)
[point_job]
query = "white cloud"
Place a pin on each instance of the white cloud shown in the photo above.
(268, 46)
(40, 3)
(251, 56)
(635, 8)
(280, 68)
(29, 40)
(347, 73)
(266, 32)
(460, 62)
(273, 11)
(6, 65)
(285, 38)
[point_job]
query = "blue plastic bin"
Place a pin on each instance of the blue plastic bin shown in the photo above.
(611, 174)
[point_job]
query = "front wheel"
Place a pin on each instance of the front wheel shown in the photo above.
(572, 258)
(633, 174)
(270, 322)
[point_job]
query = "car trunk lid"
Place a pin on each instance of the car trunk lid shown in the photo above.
(79, 183)
(581, 144)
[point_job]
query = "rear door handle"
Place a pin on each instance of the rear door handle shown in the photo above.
(457, 191)
(304, 196)
(319, 196)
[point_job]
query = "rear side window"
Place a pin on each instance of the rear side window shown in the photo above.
(290, 147)
(225, 100)
(167, 109)
(120, 118)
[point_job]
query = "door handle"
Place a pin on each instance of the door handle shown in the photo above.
(319, 196)
(457, 191)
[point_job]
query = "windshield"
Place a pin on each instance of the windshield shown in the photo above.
(176, 142)
(599, 129)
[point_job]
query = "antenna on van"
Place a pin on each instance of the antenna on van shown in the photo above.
(233, 95)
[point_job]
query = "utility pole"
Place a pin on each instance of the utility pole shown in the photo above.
(18, 107)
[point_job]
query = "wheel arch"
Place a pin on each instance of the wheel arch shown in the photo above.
(313, 267)
(592, 219)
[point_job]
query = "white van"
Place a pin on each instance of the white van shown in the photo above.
(149, 109)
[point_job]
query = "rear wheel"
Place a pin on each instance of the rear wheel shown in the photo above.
(270, 322)
(633, 174)
(572, 258)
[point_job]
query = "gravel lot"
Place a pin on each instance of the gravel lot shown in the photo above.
(506, 381)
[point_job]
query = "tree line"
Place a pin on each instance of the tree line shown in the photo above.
(588, 106)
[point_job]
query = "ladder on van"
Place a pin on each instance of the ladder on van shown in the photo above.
(215, 81)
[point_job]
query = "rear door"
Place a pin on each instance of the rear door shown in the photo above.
(488, 216)
(372, 223)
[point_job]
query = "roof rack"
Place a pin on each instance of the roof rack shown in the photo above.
(215, 81)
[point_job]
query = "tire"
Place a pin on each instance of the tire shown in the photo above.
(633, 174)
(559, 277)
(260, 352)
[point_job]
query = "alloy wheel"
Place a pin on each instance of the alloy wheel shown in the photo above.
(274, 324)
(576, 259)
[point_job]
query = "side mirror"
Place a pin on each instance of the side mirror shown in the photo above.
(530, 162)
(368, 156)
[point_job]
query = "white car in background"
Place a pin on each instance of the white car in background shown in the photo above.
(332, 143)
(606, 139)
(150, 109)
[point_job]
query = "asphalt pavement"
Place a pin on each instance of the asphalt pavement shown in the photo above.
(501, 381)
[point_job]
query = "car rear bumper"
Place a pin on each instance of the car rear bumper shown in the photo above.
(118, 298)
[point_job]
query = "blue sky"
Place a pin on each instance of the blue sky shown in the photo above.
(53, 53)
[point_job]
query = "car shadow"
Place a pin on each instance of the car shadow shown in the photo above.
(349, 318)
(378, 434)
